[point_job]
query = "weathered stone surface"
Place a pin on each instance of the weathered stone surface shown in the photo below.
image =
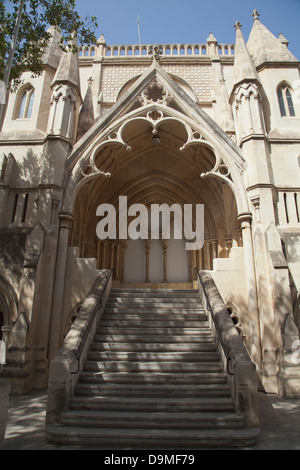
(212, 124)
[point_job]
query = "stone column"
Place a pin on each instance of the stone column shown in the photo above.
(53, 106)
(117, 267)
(104, 255)
(124, 247)
(65, 221)
(248, 115)
(239, 237)
(83, 242)
(98, 252)
(165, 251)
(228, 246)
(112, 256)
(200, 259)
(207, 255)
(147, 248)
(194, 264)
(239, 119)
(214, 249)
(253, 312)
(190, 265)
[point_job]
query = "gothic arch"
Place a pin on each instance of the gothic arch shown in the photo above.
(26, 94)
(155, 146)
(285, 99)
(138, 105)
(85, 169)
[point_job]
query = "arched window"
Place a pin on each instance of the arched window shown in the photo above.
(285, 101)
(26, 104)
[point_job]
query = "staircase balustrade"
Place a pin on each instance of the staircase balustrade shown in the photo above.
(66, 366)
(241, 371)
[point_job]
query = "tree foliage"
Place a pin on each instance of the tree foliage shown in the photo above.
(33, 37)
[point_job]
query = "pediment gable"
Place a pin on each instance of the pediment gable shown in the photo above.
(155, 88)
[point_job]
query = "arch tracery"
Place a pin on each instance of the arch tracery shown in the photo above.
(155, 153)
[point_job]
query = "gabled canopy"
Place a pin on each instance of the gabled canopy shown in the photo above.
(155, 102)
(184, 104)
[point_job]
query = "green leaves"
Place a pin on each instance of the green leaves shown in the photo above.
(33, 38)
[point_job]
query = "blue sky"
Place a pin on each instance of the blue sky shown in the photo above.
(191, 21)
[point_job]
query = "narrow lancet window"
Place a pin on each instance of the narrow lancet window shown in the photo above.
(285, 101)
(26, 104)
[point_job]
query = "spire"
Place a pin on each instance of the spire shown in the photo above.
(86, 115)
(264, 47)
(244, 69)
(54, 52)
(226, 116)
(68, 70)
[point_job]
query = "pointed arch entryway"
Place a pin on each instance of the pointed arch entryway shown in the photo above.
(154, 137)
(155, 146)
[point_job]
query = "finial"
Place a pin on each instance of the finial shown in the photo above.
(90, 81)
(101, 40)
(255, 15)
(237, 25)
(156, 52)
(211, 39)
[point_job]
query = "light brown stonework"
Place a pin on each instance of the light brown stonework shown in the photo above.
(223, 142)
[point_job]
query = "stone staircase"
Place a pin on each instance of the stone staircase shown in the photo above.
(153, 379)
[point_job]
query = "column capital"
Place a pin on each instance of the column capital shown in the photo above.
(65, 219)
(245, 218)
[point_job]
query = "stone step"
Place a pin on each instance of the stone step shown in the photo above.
(153, 356)
(156, 439)
(127, 366)
(153, 303)
(142, 316)
(153, 308)
(150, 378)
(154, 347)
(205, 336)
(152, 390)
(172, 331)
(152, 420)
(144, 299)
(136, 293)
(106, 403)
(154, 323)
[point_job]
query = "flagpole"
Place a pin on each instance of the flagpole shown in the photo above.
(138, 23)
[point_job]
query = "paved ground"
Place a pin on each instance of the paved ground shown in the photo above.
(280, 424)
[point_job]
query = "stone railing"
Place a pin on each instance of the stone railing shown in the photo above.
(67, 365)
(241, 371)
(165, 50)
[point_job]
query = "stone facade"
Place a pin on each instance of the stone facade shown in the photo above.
(213, 124)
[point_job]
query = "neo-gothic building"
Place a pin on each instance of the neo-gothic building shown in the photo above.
(213, 124)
